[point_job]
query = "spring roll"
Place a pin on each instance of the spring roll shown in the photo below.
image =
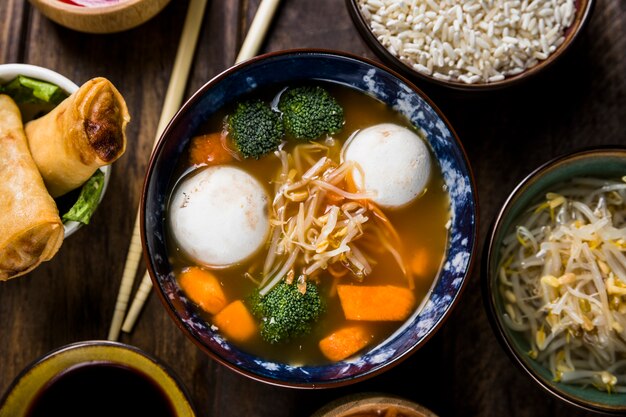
(31, 230)
(84, 132)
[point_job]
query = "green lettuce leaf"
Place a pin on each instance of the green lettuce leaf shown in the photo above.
(29, 90)
(88, 199)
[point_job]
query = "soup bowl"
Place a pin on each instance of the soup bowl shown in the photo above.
(273, 71)
(599, 162)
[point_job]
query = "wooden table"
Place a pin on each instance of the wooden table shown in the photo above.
(462, 371)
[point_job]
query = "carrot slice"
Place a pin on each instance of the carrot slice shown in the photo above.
(208, 149)
(376, 303)
(235, 322)
(344, 342)
(203, 288)
(420, 263)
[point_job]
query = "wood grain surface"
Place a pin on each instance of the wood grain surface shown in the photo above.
(462, 371)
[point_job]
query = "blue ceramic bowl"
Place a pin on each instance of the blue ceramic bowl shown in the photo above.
(601, 162)
(279, 69)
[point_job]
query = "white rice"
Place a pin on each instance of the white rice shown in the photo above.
(471, 41)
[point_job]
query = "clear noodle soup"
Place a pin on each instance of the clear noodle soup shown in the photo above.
(400, 249)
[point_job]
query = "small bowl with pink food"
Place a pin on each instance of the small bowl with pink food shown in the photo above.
(100, 16)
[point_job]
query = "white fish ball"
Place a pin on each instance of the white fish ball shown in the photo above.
(219, 216)
(394, 160)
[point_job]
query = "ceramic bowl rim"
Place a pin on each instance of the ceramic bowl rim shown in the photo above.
(474, 203)
(530, 73)
(10, 71)
(490, 251)
(108, 344)
(366, 399)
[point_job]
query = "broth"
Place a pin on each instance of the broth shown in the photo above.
(421, 225)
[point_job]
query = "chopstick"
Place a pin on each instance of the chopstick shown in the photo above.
(258, 29)
(249, 48)
(171, 104)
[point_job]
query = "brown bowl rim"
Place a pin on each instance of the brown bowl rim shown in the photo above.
(363, 402)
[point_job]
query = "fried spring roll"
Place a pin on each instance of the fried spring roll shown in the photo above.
(84, 132)
(31, 230)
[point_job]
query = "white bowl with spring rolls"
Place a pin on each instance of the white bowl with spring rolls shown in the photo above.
(57, 143)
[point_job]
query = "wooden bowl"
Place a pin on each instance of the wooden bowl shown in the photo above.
(372, 404)
(118, 17)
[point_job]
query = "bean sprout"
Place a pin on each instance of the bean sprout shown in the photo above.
(562, 278)
(319, 216)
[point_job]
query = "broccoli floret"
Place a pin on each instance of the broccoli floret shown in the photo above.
(309, 112)
(255, 128)
(285, 312)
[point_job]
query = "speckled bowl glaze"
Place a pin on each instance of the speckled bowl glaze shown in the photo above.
(35, 377)
(584, 9)
(609, 162)
(9, 71)
(278, 69)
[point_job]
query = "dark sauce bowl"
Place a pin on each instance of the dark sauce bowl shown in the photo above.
(276, 70)
(95, 370)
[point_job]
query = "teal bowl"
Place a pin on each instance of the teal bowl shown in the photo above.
(600, 162)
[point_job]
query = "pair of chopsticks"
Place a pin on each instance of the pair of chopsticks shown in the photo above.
(173, 100)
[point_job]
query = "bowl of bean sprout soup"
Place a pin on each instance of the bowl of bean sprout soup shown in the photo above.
(554, 277)
(309, 218)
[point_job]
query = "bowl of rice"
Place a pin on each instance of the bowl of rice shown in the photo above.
(554, 277)
(470, 45)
